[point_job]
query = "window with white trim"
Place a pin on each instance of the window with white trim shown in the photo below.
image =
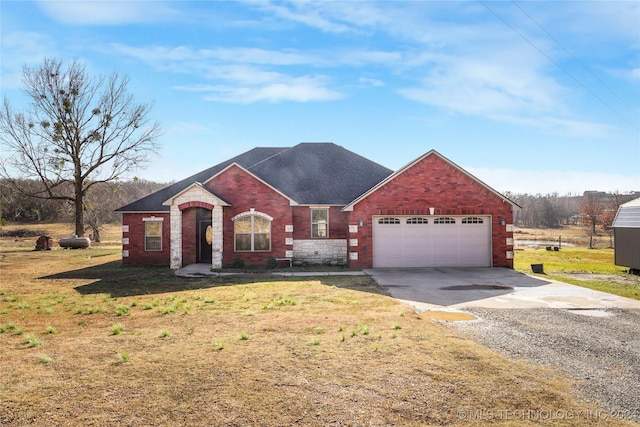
(417, 220)
(389, 220)
(444, 220)
(252, 233)
(472, 220)
(153, 235)
(320, 223)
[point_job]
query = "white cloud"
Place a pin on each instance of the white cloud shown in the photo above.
(106, 12)
(297, 89)
(241, 75)
(307, 13)
(367, 81)
(492, 84)
(22, 48)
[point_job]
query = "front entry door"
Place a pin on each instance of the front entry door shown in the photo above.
(204, 235)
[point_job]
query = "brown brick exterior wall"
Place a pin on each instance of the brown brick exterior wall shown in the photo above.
(432, 182)
(137, 254)
(244, 192)
(189, 240)
(338, 223)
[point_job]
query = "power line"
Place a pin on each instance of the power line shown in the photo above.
(564, 70)
(571, 55)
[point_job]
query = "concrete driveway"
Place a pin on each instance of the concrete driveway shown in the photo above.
(431, 288)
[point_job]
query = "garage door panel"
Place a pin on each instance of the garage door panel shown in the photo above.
(454, 242)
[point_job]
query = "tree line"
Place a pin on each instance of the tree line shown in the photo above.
(593, 210)
(16, 205)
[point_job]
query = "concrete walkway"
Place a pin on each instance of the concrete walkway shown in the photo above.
(204, 270)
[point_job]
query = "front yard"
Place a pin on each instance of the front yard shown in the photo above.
(86, 341)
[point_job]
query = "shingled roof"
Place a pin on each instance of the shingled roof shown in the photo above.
(308, 173)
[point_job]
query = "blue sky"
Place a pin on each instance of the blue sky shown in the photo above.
(531, 97)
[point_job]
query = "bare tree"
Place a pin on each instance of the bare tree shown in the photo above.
(79, 132)
(591, 215)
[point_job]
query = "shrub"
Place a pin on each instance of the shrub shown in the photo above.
(271, 263)
(237, 263)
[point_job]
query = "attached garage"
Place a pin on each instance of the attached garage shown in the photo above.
(431, 241)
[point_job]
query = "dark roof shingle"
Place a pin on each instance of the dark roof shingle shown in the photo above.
(308, 173)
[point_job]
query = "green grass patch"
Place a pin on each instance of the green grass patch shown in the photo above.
(117, 328)
(33, 341)
(584, 267)
(123, 356)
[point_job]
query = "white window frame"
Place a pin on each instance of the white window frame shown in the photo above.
(152, 220)
(315, 231)
(252, 214)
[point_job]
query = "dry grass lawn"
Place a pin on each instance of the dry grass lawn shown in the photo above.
(86, 341)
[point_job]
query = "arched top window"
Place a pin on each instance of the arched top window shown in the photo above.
(252, 232)
(417, 220)
(472, 220)
(389, 220)
(444, 220)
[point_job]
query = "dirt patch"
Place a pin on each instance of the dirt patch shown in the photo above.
(450, 316)
(90, 342)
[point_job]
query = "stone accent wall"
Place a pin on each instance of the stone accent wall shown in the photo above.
(193, 197)
(320, 251)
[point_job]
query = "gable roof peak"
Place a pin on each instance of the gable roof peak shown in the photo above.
(409, 165)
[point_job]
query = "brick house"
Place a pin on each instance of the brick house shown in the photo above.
(319, 203)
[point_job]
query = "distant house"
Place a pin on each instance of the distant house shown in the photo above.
(626, 232)
(319, 203)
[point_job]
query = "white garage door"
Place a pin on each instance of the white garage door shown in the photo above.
(447, 241)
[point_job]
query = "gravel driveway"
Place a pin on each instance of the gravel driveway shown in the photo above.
(599, 348)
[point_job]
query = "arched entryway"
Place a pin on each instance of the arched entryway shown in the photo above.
(187, 210)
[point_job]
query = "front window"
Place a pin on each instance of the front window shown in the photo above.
(319, 222)
(153, 235)
(253, 233)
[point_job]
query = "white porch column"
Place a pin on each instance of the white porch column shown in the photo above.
(216, 243)
(176, 237)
